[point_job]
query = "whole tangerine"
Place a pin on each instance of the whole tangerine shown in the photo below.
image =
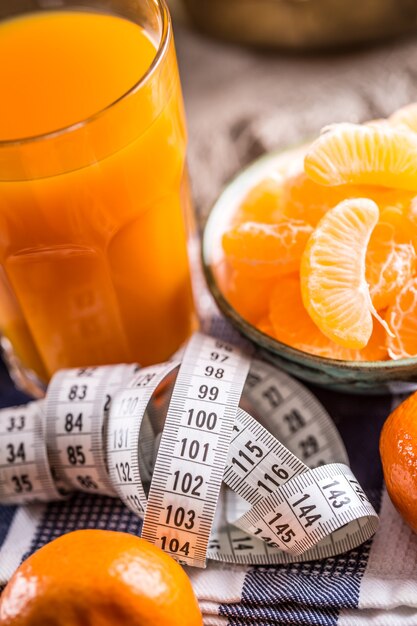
(99, 578)
(398, 448)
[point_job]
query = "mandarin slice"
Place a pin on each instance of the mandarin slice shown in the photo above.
(402, 319)
(389, 265)
(248, 296)
(292, 325)
(405, 117)
(304, 199)
(364, 155)
(403, 218)
(333, 285)
(266, 250)
(263, 201)
(409, 224)
(265, 326)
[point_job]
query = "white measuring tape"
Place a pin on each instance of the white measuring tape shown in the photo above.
(177, 443)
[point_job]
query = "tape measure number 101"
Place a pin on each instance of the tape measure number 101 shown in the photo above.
(178, 444)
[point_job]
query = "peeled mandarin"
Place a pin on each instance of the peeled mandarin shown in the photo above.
(402, 319)
(333, 284)
(266, 250)
(263, 201)
(266, 327)
(304, 199)
(293, 326)
(248, 296)
(389, 265)
(405, 117)
(364, 155)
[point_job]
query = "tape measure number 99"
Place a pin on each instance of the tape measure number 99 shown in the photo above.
(173, 443)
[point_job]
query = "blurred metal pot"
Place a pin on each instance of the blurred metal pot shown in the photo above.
(304, 24)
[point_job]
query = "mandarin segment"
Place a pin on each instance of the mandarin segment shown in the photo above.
(406, 117)
(364, 155)
(266, 327)
(266, 250)
(402, 319)
(333, 285)
(291, 324)
(409, 223)
(249, 296)
(290, 321)
(389, 265)
(263, 202)
(304, 199)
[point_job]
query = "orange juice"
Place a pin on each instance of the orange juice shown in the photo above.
(92, 188)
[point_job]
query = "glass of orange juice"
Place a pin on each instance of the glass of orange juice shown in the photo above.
(93, 186)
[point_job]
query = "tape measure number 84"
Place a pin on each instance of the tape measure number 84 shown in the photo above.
(178, 444)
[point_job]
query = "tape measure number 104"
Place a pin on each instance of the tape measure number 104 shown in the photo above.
(177, 442)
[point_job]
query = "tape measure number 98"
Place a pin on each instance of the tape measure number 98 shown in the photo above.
(174, 442)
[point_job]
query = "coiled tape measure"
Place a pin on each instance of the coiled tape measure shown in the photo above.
(175, 443)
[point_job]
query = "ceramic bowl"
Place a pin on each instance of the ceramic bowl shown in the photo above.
(358, 377)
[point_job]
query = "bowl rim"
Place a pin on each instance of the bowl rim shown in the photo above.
(235, 188)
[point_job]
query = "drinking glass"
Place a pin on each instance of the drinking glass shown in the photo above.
(93, 260)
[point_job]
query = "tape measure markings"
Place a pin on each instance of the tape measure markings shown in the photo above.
(24, 468)
(123, 433)
(289, 423)
(224, 371)
(317, 517)
(206, 442)
(76, 407)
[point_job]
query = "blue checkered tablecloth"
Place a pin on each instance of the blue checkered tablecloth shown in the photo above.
(374, 584)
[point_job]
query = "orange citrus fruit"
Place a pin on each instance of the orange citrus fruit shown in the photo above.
(265, 326)
(402, 319)
(304, 199)
(249, 296)
(266, 250)
(389, 265)
(263, 202)
(364, 155)
(398, 448)
(333, 284)
(403, 218)
(100, 578)
(290, 323)
(409, 223)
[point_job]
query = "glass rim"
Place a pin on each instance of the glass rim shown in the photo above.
(166, 28)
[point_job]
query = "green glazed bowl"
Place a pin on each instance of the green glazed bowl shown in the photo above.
(371, 377)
